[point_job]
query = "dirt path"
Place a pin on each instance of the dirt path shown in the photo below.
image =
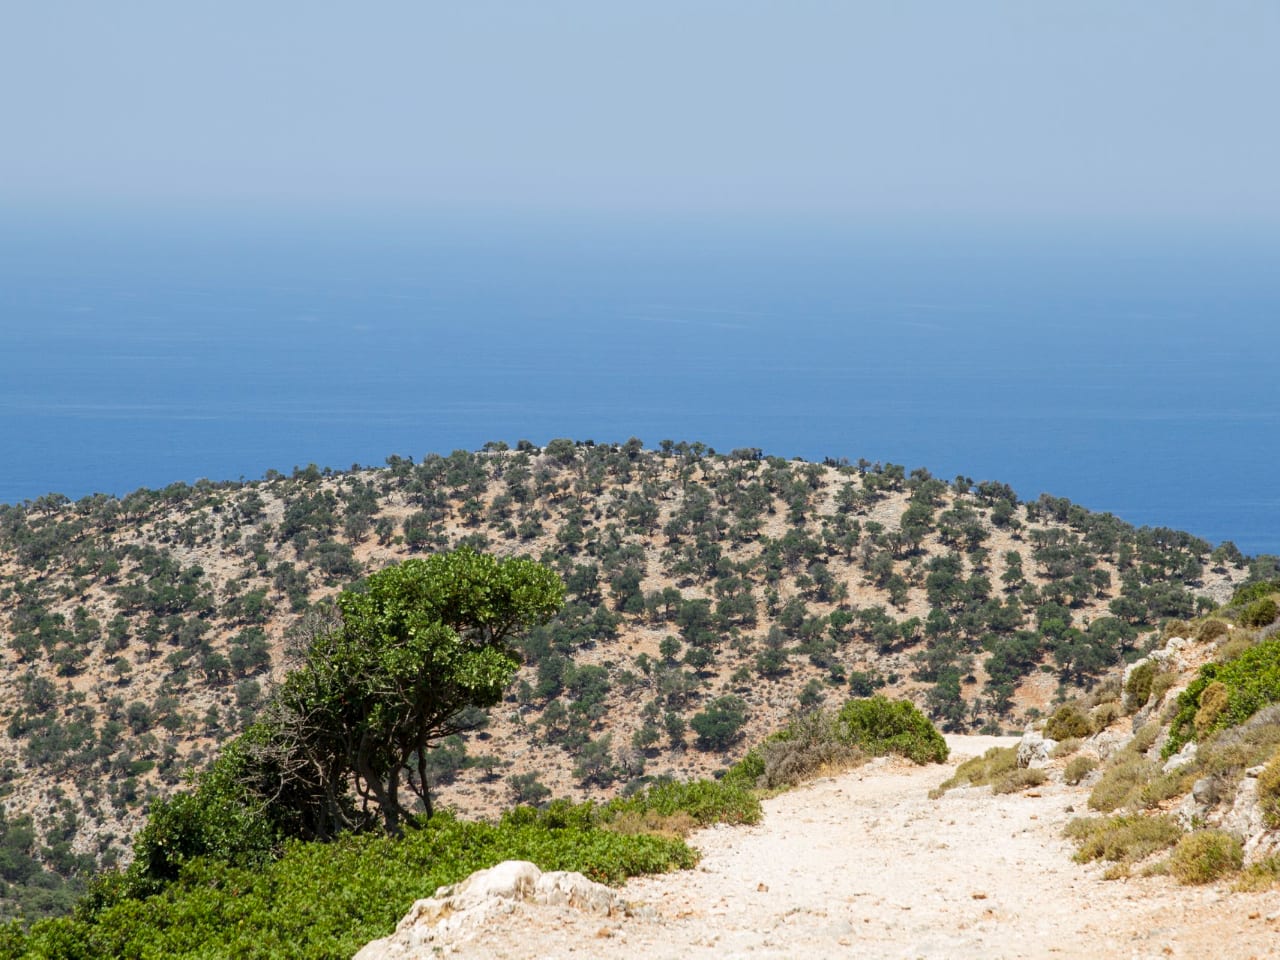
(866, 865)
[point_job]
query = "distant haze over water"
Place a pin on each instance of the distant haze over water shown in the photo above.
(1131, 372)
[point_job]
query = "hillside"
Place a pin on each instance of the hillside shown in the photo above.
(710, 596)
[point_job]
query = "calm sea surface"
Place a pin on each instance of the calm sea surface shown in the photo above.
(1130, 374)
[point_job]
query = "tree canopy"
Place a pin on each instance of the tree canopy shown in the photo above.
(423, 644)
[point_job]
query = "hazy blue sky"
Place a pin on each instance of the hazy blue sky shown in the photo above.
(1137, 111)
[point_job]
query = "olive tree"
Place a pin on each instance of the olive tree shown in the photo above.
(426, 640)
(424, 644)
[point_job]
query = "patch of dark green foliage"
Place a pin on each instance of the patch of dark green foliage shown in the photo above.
(322, 900)
(1252, 681)
(870, 726)
(212, 880)
(326, 900)
(881, 726)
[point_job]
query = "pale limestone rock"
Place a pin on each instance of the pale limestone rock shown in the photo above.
(1107, 742)
(1246, 821)
(1189, 812)
(458, 911)
(1182, 758)
(563, 888)
(1205, 791)
(1034, 749)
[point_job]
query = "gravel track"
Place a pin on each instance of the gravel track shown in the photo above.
(866, 865)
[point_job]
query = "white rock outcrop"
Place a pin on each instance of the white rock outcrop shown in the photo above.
(1184, 757)
(458, 911)
(1034, 749)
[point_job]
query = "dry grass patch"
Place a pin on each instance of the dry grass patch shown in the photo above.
(1021, 778)
(674, 826)
(997, 765)
(1066, 748)
(1077, 769)
(1122, 784)
(1125, 839)
(1261, 875)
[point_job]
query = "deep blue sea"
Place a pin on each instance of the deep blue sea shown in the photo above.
(1131, 372)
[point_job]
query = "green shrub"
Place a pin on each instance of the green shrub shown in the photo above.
(1260, 613)
(1067, 721)
(327, 900)
(1251, 681)
(747, 771)
(1138, 686)
(1205, 856)
(218, 820)
(720, 724)
(1122, 839)
(879, 725)
(1078, 768)
(1251, 592)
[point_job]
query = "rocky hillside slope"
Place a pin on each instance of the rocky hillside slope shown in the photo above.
(710, 596)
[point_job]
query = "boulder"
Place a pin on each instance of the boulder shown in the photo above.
(460, 910)
(1034, 749)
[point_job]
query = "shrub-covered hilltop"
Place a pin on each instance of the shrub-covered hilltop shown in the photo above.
(708, 598)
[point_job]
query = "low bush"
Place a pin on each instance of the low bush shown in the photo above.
(1213, 701)
(703, 802)
(1244, 685)
(1205, 856)
(879, 725)
(327, 900)
(1260, 613)
(994, 767)
(1162, 683)
(1122, 839)
(1269, 792)
(809, 746)
(1225, 755)
(821, 741)
(1103, 715)
(1212, 629)
(1138, 687)
(1122, 783)
(1066, 748)
(1021, 778)
(1067, 721)
(1078, 768)
(1260, 875)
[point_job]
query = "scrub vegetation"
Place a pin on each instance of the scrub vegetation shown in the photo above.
(709, 598)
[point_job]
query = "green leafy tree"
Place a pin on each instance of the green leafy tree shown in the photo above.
(427, 642)
(720, 724)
